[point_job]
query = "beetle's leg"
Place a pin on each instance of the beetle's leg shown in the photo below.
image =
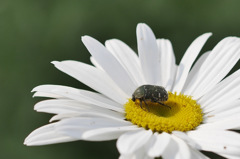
(146, 105)
(145, 102)
(164, 105)
(141, 103)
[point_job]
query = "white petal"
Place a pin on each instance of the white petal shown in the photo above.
(103, 134)
(128, 58)
(167, 63)
(64, 116)
(227, 90)
(193, 145)
(94, 62)
(142, 152)
(171, 150)
(110, 65)
(227, 112)
(46, 135)
(160, 144)
(232, 122)
(129, 142)
(139, 154)
(94, 128)
(184, 150)
(104, 114)
(59, 106)
(187, 61)
(148, 53)
(184, 137)
(81, 96)
(224, 142)
(44, 94)
(94, 78)
(129, 156)
(170, 83)
(217, 65)
(179, 149)
(225, 106)
(195, 69)
(197, 154)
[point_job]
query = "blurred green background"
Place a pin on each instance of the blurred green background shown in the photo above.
(35, 32)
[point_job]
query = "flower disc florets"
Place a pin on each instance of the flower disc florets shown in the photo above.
(185, 114)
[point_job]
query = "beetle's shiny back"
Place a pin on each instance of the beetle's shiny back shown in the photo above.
(150, 93)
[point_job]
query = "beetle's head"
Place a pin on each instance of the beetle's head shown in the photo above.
(133, 98)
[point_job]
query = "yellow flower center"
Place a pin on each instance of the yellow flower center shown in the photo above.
(185, 114)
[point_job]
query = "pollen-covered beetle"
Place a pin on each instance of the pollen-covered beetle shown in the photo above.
(150, 93)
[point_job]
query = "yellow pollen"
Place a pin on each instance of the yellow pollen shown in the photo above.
(185, 114)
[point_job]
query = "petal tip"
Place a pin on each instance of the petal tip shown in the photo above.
(206, 35)
(142, 26)
(26, 141)
(55, 62)
(209, 34)
(85, 38)
(35, 89)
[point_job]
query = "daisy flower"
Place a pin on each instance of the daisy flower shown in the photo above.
(200, 112)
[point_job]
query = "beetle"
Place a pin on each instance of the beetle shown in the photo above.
(150, 93)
